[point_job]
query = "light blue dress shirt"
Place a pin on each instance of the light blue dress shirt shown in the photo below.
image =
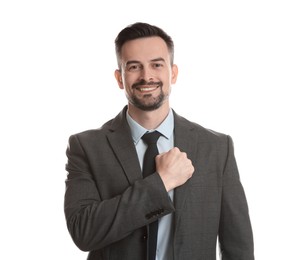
(165, 143)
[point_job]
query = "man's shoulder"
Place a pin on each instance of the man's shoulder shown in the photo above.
(208, 138)
(114, 123)
(92, 132)
(200, 129)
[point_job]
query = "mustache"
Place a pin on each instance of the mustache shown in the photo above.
(144, 82)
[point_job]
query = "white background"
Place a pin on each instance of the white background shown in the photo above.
(241, 67)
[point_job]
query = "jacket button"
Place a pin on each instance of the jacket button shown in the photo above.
(160, 211)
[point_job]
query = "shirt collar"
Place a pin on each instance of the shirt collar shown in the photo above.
(166, 128)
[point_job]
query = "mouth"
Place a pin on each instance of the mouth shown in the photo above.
(147, 89)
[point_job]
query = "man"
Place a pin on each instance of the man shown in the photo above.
(194, 193)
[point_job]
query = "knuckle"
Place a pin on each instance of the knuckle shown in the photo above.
(176, 149)
(183, 155)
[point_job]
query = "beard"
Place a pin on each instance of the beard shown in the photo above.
(147, 102)
(149, 105)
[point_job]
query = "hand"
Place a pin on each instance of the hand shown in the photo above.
(174, 168)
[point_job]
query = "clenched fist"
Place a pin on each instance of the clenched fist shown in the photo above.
(174, 168)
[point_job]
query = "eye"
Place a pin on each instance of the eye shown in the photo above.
(134, 67)
(157, 65)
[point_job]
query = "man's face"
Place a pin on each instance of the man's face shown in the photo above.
(146, 73)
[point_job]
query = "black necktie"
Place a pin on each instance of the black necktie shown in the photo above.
(149, 167)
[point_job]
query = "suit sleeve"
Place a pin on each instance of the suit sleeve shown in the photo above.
(235, 233)
(93, 222)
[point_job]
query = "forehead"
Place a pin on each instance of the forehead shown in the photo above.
(143, 49)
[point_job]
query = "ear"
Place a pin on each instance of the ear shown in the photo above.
(118, 77)
(174, 74)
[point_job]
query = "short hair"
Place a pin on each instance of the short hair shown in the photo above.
(142, 30)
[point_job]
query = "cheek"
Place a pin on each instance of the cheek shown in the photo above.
(129, 80)
(166, 82)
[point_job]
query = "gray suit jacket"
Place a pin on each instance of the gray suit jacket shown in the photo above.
(108, 204)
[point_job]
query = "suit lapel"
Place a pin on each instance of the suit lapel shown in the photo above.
(186, 141)
(122, 144)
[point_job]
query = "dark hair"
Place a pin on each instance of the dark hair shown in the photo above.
(142, 30)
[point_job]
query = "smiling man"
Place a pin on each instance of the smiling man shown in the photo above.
(146, 73)
(190, 197)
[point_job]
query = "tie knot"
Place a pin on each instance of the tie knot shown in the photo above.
(151, 138)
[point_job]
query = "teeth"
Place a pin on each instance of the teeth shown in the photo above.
(147, 89)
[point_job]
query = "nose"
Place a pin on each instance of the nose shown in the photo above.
(147, 74)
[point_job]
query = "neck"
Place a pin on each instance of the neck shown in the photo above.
(149, 119)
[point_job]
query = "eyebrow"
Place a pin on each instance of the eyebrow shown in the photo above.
(132, 61)
(153, 60)
(158, 59)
